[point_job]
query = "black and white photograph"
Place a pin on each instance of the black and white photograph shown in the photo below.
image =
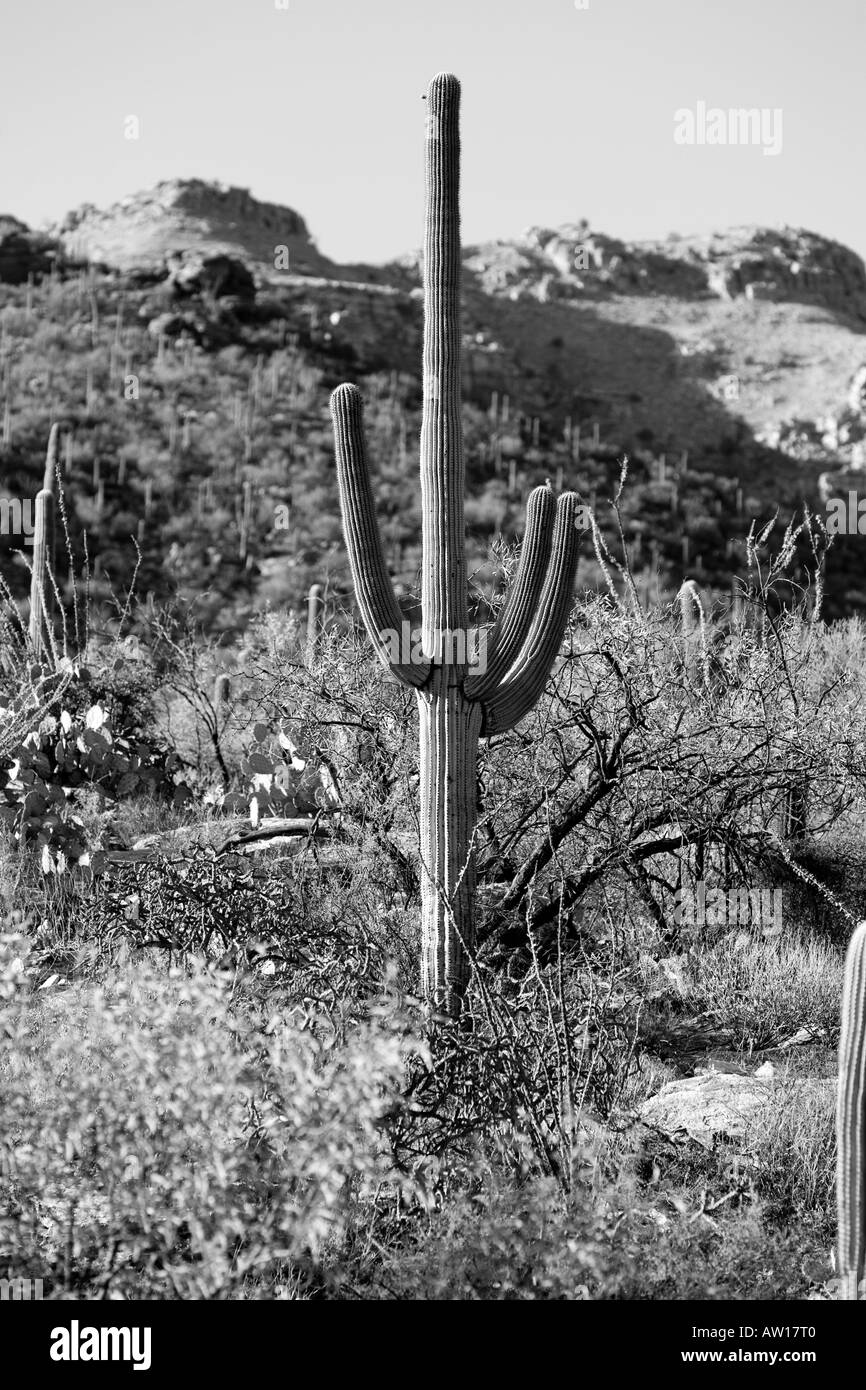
(432, 673)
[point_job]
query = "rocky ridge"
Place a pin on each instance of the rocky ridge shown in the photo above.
(748, 336)
(569, 262)
(183, 214)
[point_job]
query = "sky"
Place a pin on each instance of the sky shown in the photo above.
(569, 112)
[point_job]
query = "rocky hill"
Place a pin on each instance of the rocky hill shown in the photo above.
(178, 215)
(734, 365)
(685, 342)
(573, 262)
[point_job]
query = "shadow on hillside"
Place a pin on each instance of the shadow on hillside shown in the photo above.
(558, 360)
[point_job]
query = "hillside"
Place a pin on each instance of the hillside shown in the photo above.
(193, 373)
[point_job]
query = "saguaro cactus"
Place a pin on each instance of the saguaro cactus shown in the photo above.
(694, 625)
(851, 1120)
(457, 702)
(315, 607)
(222, 689)
(42, 575)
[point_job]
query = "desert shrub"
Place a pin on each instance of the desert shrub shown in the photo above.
(635, 773)
(325, 935)
(155, 1141)
(828, 895)
(497, 1239)
(510, 1239)
(119, 676)
(340, 710)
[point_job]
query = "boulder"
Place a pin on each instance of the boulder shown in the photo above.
(714, 1104)
(219, 276)
(721, 1100)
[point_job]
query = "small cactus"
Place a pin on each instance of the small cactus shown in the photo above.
(694, 624)
(696, 668)
(851, 1120)
(222, 689)
(244, 509)
(315, 607)
(42, 574)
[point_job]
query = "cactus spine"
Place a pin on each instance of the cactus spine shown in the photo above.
(851, 1120)
(42, 575)
(457, 704)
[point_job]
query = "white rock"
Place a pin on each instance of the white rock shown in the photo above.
(702, 1107)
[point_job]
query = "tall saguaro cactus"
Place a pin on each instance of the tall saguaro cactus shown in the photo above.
(851, 1120)
(458, 702)
(42, 575)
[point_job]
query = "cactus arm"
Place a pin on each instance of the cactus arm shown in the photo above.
(521, 687)
(511, 629)
(378, 606)
(51, 459)
(851, 1120)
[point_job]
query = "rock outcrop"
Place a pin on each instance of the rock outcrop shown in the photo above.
(572, 261)
(23, 253)
(721, 1102)
(715, 1103)
(712, 344)
(219, 276)
(182, 215)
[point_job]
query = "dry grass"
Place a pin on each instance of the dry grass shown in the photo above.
(757, 992)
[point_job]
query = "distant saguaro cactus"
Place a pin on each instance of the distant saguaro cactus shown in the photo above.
(457, 702)
(694, 625)
(222, 689)
(44, 535)
(315, 606)
(851, 1120)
